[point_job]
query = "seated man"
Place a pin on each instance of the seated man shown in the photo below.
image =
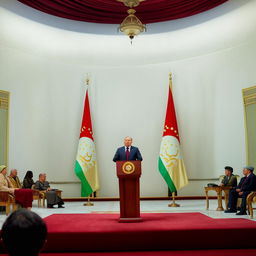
(51, 195)
(229, 178)
(244, 188)
(24, 233)
(14, 179)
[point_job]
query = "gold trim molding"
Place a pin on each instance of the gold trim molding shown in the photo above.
(4, 104)
(249, 95)
(4, 100)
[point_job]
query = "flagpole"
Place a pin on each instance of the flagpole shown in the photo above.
(88, 203)
(173, 204)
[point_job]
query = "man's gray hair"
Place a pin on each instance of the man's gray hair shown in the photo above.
(128, 137)
(42, 174)
(12, 170)
(250, 168)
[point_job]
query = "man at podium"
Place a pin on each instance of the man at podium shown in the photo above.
(127, 152)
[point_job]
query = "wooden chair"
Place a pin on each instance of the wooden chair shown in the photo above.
(251, 198)
(7, 200)
(226, 192)
(39, 196)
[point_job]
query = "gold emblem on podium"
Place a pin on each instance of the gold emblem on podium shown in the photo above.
(128, 167)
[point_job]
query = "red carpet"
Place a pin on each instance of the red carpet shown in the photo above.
(161, 231)
(241, 252)
(238, 252)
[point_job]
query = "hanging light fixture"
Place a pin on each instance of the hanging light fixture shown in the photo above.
(131, 25)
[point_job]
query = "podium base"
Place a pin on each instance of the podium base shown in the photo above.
(127, 220)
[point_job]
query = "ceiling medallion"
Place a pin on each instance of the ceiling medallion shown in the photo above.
(131, 25)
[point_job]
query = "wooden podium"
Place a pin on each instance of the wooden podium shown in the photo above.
(128, 173)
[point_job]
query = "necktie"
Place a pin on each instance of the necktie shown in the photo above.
(127, 153)
(244, 182)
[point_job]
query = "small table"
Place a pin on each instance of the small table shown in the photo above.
(218, 190)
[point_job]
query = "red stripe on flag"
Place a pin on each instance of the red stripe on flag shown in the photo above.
(86, 127)
(171, 126)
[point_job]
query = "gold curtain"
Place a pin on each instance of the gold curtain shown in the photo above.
(4, 119)
(249, 97)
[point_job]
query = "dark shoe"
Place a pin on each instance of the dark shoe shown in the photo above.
(241, 213)
(230, 211)
(60, 206)
(50, 206)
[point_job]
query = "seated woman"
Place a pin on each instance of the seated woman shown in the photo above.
(51, 195)
(28, 181)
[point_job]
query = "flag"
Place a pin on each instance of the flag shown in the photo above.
(86, 164)
(170, 162)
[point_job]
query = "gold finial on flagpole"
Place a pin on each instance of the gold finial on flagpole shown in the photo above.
(170, 80)
(170, 76)
(87, 79)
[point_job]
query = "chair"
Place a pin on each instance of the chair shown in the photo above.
(226, 192)
(251, 198)
(7, 200)
(38, 195)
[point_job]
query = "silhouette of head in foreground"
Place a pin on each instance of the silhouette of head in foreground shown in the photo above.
(24, 233)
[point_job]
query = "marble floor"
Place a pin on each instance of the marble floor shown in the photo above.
(157, 206)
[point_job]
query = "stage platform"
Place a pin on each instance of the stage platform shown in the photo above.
(158, 231)
(231, 252)
(78, 228)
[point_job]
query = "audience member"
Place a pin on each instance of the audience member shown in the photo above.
(51, 195)
(23, 197)
(14, 179)
(24, 233)
(229, 179)
(5, 184)
(244, 188)
(28, 181)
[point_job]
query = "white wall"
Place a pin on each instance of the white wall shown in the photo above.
(47, 100)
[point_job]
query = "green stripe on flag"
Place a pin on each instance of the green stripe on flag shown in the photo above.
(86, 189)
(166, 175)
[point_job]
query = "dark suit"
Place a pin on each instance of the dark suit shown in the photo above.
(247, 185)
(134, 154)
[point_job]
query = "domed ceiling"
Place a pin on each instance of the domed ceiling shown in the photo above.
(47, 33)
(113, 12)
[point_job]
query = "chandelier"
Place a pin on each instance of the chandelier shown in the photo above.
(131, 25)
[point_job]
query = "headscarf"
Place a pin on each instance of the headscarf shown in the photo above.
(2, 167)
